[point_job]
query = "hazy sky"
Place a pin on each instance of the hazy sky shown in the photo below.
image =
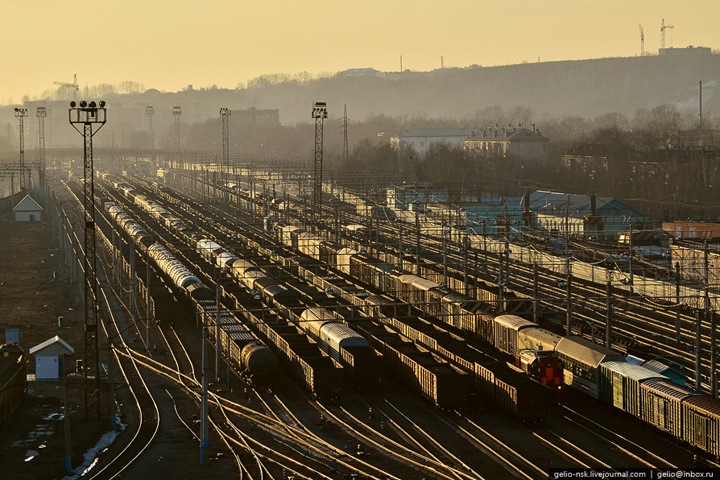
(169, 44)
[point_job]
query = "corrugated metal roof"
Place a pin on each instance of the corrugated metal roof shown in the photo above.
(586, 351)
(343, 335)
(705, 404)
(539, 337)
(514, 322)
(632, 371)
(424, 284)
(407, 278)
(318, 313)
(668, 389)
(655, 366)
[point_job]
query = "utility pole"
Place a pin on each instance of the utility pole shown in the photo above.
(41, 114)
(568, 292)
(204, 430)
(319, 113)
(700, 126)
(21, 114)
(501, 280)
(89, 115)
(225, 115)
(708, 318)
(148, 311)
(536, 295)
(698, 351)
(218, 345)
(150, 111)
(444, 243)
(177, 112)
(678, 332)
(345, 137)
(609, 316)
(630, 261)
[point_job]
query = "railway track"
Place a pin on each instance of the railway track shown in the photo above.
(140, 391)
(358, 427)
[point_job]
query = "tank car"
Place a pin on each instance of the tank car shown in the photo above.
(178, 273)
(259, 361)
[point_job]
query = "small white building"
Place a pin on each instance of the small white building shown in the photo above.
(420, 141)
(50, 358)
(28, 210)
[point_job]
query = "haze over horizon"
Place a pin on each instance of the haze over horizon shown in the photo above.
(169, 45)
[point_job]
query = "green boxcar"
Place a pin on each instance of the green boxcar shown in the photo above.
(619, 385)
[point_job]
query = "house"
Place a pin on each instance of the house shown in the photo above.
(420, 141)
(508, 142)
(28, 210)
(50, 358)
(604, 218)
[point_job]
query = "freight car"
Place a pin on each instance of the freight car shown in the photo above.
(581, 359)
(320, 374)
(604, 374)
(701, 423)
(135, 231)
(699, 415)
(360, 361)
(362, 364)
(13, 380)
(512, 390)
(252, 358)
(662, 405)
(533, 352)
(180, 276)
(619, 385)
(437, 381)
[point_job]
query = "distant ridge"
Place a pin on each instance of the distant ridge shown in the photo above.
(586, 88)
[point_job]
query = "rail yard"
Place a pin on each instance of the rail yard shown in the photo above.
(240, 336)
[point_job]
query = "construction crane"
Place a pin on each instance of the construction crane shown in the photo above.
(73, 85)
(642, 42)
(662, 32)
